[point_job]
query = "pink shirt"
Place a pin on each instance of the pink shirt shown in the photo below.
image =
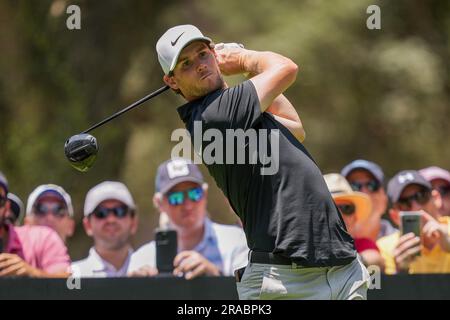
(40, 247)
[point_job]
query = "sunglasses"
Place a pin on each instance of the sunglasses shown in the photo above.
(58, 210)
(347, 209)
(420, 197)
(119, 212)
(178, 197)
(372, 185)
(444, 190)
(3, 201)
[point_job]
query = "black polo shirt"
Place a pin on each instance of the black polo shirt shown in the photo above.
(290, 212)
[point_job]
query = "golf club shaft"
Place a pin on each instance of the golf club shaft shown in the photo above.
(134, 105)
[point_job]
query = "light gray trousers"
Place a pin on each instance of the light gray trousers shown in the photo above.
(269, 282)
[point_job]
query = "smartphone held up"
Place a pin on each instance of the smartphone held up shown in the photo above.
(166, 250)
(411, 222)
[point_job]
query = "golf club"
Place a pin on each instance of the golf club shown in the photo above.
(81, 149)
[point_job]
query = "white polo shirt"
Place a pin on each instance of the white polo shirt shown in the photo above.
(223, 245)
(95, 266)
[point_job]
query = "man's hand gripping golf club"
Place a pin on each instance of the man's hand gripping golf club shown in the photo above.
(81, 149)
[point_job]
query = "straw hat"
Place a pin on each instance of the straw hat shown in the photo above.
(340, 189)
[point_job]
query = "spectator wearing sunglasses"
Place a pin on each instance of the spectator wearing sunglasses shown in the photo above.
(110, 219)
(51, 206)
(409, 191)
(440, 181)
(204, 247)
(367, 177)
(31, 251)
(354, 207)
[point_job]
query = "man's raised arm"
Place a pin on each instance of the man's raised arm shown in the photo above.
(271, 75)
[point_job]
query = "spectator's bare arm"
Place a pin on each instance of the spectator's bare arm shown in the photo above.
(372, 257)
(435, 232)
(406, 251)
(13, 265)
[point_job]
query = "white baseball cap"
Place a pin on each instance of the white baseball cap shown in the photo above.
(49, 188)
(171, 43)
(108, 190)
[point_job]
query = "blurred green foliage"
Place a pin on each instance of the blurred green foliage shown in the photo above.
(382, 94)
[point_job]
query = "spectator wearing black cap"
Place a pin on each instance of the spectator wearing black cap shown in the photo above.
(31, 251)
(204, 247)
(368, 177)
(409, 191)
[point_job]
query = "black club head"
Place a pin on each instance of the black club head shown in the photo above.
(81, 151)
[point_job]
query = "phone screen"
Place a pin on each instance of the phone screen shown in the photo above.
(166, 249)
(411, 222)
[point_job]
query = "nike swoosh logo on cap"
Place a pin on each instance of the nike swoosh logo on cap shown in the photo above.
(176, 40)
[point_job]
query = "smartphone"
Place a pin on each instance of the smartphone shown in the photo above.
(166, 249)
(410, 222)
(1, 245)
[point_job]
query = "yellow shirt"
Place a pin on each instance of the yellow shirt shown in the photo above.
(430, 261)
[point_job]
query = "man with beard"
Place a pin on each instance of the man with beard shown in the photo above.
(110, 219)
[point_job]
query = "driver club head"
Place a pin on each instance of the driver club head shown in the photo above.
(81, 151)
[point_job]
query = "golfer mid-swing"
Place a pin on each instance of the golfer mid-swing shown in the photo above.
(299, 246)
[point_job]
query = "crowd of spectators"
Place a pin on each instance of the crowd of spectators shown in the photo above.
(33, 237)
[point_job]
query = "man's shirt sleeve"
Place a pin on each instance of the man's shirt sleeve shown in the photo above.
(53, 253)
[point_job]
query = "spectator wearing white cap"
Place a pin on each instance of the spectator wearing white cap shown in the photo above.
(440, 181)
(110, 219)
(367, 177)
(204, 247)
(409, 191)
(51, 206)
